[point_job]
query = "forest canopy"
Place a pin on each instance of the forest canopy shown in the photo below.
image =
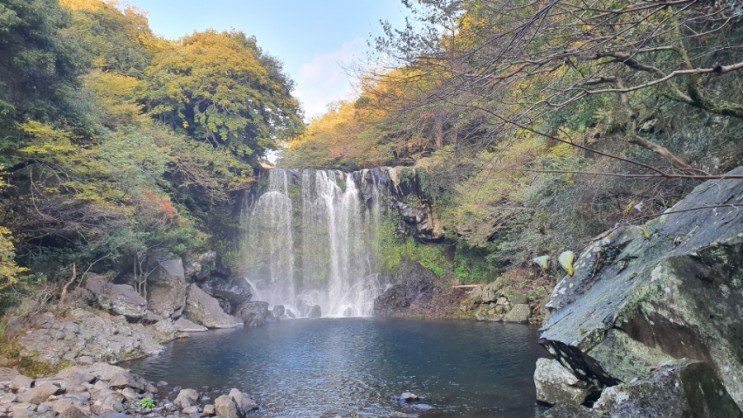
(118, 146)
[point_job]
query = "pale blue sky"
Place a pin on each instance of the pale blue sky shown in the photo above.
(315, 39)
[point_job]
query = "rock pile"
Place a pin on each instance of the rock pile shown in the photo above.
(103, 390)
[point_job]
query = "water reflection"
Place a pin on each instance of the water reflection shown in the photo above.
(308, 367)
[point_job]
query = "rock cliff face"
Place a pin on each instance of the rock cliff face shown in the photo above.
(655, 298)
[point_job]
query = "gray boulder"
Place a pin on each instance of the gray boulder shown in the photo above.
(557, 385)
(278, 311)
(119, 299)
(687, 389)
(200, 266)
(186, 398)
(642, 297)
(184, 325)
(205, 310)
(39, 394)
(243, 403)
(166, 289)
(254, 314)
(225, 407)
(232, 293)
(520, 312)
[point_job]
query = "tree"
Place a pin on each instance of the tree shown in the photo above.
(521, 62)
(221, 89)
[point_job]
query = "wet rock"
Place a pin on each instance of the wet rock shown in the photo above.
(642, 297)
(242, 401)
(314, 312)
(278, 311)
(557, 385)
(687, 389)
(409, 397)
(205, 310)
(416, 288)
(232, 293)
(184, 325)
(186, 398)
(519, 313)
(571, 411)
(254, 313)
(119, 299)
(225, 407)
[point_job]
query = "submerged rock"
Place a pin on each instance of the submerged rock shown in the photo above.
(645, 297)
(409, 397)
(205, 310)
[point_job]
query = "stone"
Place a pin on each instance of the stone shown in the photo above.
(225, 407)
(85, 360)
(686, 389)
(278, 311)
(571, 411)
(184, 325)
(232, 293)
(20, 382)
(7, 398)
(416, 288)
(638, 300)
(254, 313)
(186, 398)
(191, 410)
(166, 289)
(409, 397)
(557, 385)
(205, 310)
(72, 412)
(315, 312)
(38, 394)
(520, 312)
(209, 409)
(242, 401)
(199, 267)
(119, 299)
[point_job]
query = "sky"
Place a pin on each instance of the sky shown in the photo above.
(318, 41)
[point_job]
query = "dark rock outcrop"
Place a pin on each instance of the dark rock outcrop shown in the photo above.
(649, 296)
(418, 289)
(231, 293)
(254, 314)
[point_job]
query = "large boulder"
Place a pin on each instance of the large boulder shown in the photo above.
(416, 288)
(166, 288)
(645, 296)
(119, 299)
(200, 266)
(205, 310)
(557, 385)
(231, 293)
(688, 389)
(254, 314)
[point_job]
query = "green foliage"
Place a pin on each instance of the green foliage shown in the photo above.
(147, 403)
(221, 89)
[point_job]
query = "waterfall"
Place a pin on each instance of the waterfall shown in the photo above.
(332, 263)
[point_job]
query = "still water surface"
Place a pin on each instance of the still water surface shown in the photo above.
(305, 368)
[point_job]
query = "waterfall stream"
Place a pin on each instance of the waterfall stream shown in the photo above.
(311, 240)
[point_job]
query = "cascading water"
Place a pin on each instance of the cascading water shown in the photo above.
(333, 262)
